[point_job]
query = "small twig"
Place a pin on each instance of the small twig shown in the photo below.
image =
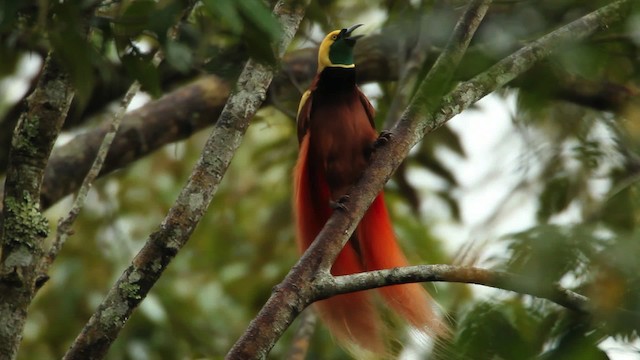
(64, 230)
(302, 338)
(293, 80)
(277, 103)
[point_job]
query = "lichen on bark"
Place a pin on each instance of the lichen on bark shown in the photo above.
(23, 140)
(24, 222)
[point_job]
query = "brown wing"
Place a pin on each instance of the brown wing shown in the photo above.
(371, 112)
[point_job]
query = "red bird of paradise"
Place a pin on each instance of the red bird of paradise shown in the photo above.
(337, 134)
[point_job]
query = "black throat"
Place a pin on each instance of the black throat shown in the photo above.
(336, 79)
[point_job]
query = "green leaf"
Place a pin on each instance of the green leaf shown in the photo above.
(260, 16)
(133, 20)
(620, 209)
(74, 53)
(141, 68)
(557, 195)
(9, 14)
(487, 333)
(225, 11)
(9, 61)
(252, 21)
(579, 342)
(544, 254)
(179, 56)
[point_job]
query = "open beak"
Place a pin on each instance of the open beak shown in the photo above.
(351, 40)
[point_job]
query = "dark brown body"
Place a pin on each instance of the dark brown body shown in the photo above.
(341, 129)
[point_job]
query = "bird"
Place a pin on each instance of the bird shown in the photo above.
(337, 135)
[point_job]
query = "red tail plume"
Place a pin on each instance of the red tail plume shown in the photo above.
(380, 250)
(351, 318)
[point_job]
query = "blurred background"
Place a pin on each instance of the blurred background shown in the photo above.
(539, 179)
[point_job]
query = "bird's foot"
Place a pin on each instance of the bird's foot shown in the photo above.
(340, 204)
(382, 140)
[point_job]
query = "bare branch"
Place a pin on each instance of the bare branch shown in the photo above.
(522, 60)
(64, 225)
(175, 230)
(455, 274)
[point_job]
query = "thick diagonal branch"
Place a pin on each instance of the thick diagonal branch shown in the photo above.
(293, 294)
(163, 244)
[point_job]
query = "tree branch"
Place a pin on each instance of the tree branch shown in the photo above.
(457, 274)
(293, 293)
(24, 228)
(518, 63)
(171, 118)
(162, 245)
(302, 338)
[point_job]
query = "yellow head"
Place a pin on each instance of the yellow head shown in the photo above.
(336, 50)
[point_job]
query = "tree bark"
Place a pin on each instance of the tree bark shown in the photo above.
(24, 228)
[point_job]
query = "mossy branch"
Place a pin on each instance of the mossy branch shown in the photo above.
(24, 228)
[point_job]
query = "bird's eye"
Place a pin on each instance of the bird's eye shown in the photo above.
(334, 37)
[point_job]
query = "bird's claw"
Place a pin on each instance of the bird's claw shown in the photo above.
(340, 204)
(384, 137)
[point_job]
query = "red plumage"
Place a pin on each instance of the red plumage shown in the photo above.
(336, 134)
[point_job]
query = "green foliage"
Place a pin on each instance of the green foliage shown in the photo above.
(140, 67)
(121, 38)
(619, 211)
(27, 221)
(598, 263)
(546, 253)
(556, 197)
(505, 331)
(252, 21)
